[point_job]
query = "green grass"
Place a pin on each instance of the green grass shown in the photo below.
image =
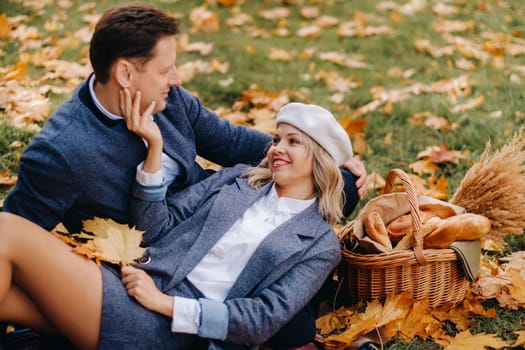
(10, 153)
(477, 126)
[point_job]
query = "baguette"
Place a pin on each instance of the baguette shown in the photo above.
(433, 209)
(399, 227)
(402, 225)
(426, 229)
(462, 227)
(376, 230)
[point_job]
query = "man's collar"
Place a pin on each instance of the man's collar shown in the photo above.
(91, 84)
(85, 97)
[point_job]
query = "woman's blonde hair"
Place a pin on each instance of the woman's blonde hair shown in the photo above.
(328, 181)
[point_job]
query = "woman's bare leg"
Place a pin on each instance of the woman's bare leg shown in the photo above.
(64, 286)
(18, 308)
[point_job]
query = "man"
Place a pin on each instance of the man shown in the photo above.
(83, 162)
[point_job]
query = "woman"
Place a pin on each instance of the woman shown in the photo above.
(231, 259)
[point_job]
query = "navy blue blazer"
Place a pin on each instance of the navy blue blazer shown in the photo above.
(82, 164)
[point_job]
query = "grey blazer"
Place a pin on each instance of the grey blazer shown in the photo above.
(281, 277)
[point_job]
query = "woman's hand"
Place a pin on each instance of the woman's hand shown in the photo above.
(141, 287)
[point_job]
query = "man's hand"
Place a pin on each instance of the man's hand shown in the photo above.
(140, 124)
(144, 126)
(141, 287)
(356, 167)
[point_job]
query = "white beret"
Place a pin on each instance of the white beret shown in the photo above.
(319, 124)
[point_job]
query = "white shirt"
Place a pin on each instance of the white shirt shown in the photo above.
(216, 273)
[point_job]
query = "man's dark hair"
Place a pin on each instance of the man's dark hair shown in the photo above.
(129, 31)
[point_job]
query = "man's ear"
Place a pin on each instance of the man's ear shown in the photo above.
(123, 72)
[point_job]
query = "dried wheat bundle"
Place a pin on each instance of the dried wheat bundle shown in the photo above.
(495, 187)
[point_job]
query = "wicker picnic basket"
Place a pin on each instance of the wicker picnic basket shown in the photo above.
(434, 274)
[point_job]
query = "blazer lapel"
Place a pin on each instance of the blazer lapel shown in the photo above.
(274, 255)
(231, 202)
(175, 144)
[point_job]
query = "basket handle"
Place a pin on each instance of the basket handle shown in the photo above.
(414, 209)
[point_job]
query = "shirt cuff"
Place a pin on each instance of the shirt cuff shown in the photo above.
(149, 193)
(214, 319)
(148, 179)
(185, 315)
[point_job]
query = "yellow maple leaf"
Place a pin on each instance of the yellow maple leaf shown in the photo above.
(310, 12)
(387, 140)
(418, 321)
(353, 126)
(17, 72)
(326, 21)
(104, 240)
(87, 252)
(275, 13)
(517, 286)
(310, 32)
(438, 123)
(423, 166)
(437, 187)
(6, 178)
(357, 327)
(468, 341)
(521, 338)
(121, 246)
(444, 9)
(448, 26)
(375, 182)
(5, 27)
(80, 247)
(227, 3)
(440, 154)
(97, 226)
(470, 104)
(359, 143)
(418, 182)
(396, 307)
(376, 314)
(492, 286)
(333, 321)
(202, 19)
(279, 55)
(462, 315)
